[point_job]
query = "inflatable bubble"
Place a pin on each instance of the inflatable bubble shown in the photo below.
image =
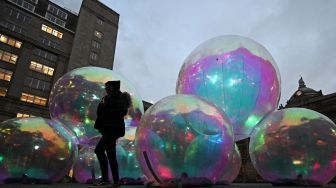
(232, 170)
(296, 146)
(87, 162)
(36, 147)
(87, 165)
(184, 134)
(75, 97)
(238, 75)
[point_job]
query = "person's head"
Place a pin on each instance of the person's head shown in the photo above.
(112, 86)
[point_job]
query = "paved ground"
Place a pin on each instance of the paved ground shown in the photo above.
(79, 185)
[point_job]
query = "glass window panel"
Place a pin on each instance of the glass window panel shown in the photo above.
(6, 57)
(18, 44)
(11, 42)
(3, 39)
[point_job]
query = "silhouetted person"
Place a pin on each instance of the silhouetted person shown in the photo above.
(110, 123)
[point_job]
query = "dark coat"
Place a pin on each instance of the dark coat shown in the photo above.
(110, 114)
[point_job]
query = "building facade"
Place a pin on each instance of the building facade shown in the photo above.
(41, 41)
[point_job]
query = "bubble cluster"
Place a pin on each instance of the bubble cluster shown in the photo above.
(36, 147)
(295, 145)
(75, 97)
(238, 75)
(184, 134)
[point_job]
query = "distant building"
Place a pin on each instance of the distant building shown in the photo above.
(41, 41)
(303, 97)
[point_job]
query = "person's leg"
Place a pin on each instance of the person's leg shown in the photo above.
(100, 152)
(112, 157)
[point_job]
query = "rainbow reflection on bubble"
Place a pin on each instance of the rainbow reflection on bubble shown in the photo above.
(87, 161)
(75, 97)
(37, 147)
(231, 171)
(184, 133)
(295, 145)
(238, 75)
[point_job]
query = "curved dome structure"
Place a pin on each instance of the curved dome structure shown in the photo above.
(303, 93)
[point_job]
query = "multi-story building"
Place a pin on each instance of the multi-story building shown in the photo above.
(41, 41)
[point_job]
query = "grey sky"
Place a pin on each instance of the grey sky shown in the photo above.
(155, 36)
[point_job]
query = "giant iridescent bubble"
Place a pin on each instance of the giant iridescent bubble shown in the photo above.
(37, 147)
(87, 162)
(296, 146)
(184, 134)
(238, 75)
(231, 171)
(75, 96)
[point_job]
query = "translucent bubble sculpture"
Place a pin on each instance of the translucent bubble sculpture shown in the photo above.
(87, 165)
(238, 75)
(184, 134)
(231, 171)
(75, 96)
(87, 162)
(36, 147)
(296, 146)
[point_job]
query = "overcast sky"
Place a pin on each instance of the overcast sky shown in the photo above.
(155, 37)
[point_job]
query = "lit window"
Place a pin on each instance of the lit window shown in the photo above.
(10, 41)
(29, 98)
(41, 68)
(98, 34)
(5, 74)
(93, 56)
(51, 31)
(8, 57)
(3, 39)
(3, 91)
(23, 115)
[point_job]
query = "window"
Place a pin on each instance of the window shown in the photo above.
(49, 42)
(24, 4)
(45, 55)
(98, 34)
(93, 56)
(23, 115)
(34, 1)
(95, 44)
(3, 91)
(28, 6)
(29, 98)
(57, 12)
(8, 57)
(41, 68)
(100, 22)
(55, 20)
(37, 84)
(20, 16)
(12, 27)
(52, 31)
(5, 74)
(7, 40)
